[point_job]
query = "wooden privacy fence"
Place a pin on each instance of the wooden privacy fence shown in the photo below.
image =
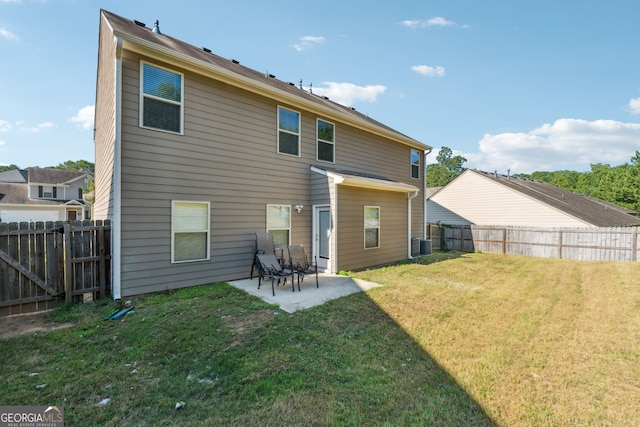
(45, 263)
(594, 244)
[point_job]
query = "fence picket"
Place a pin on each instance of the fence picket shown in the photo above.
(598, 244)
(41, 260)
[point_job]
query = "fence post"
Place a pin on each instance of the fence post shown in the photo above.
(634, 245)
(68, 275)
(101, 262)
(504, 241)
(560, 244)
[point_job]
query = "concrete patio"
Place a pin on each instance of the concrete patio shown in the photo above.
(330, 287)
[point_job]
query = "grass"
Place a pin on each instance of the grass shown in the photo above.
(453, 339)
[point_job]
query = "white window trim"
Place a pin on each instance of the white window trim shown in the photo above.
(278, 130)
(318, 141)
(278, 229)
(413, 164)
(208, 231)
(45, 192)
(169, 101)
(365, 228)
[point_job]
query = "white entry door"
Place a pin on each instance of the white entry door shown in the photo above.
(322, 237)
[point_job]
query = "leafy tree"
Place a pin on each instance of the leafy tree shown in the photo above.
(8, 168)
(79, 166)
(447, 168)
(619, 185)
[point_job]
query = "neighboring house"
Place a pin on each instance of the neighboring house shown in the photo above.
(482, 198)
(195, 153)
(40, 194)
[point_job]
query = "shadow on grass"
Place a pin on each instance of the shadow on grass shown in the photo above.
(235, 360)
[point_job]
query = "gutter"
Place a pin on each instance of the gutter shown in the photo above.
(116, 265)
(424, 187)
(409, 198)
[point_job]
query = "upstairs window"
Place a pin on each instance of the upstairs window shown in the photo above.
(47, 192)
(415, 164)
(326, 141)
(288, 132)
(161, 100)
(190, 231)
(279, 223)
(371, 227)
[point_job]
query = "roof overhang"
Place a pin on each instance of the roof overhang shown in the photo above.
(369, 182)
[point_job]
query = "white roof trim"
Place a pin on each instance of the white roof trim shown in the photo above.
(366, 182)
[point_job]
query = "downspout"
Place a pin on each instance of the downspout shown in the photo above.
(409, 198)
(424, 187)
(117, 179)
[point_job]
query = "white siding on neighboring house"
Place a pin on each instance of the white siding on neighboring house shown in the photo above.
(484, 202)
(437, 213)
(32, 215)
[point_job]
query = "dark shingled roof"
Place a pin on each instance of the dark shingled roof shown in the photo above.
(18, 194)
(130, 28)
(14, 175)
(589, 209)
(52, 176)
(16, 191)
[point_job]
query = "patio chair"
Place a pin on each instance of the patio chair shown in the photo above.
(263, 245)
(270, 268)
(301, 263)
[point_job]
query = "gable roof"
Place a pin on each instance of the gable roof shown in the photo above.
(14, 175)
(53, 176)
(136, 36)
(589, 209)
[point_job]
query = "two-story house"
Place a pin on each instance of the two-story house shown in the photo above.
(43, 194)
(195, 153)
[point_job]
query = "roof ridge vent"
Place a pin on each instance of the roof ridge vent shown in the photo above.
(156, 27)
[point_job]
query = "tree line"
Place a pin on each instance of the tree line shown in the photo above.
(614, 184)
(69, 165)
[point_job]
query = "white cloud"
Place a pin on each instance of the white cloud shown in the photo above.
(634, 105)
(437, 21)
(348, 93)
(413, 24)
(4, 126)
(308, 41)
(560, 145)
(45, 125)
(429, 71)
(84, 117)
(4, 33)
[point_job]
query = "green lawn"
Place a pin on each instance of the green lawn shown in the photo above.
(456, 339)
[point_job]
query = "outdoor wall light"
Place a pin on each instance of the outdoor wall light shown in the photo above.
(299, 208)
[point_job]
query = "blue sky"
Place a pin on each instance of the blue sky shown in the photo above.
(519, 85)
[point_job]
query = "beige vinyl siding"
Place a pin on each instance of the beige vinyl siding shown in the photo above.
(104, 137)
(358, 151)
(437, 213)
(321, 189)
(350, 227)
(484, 202)
(228, 156)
